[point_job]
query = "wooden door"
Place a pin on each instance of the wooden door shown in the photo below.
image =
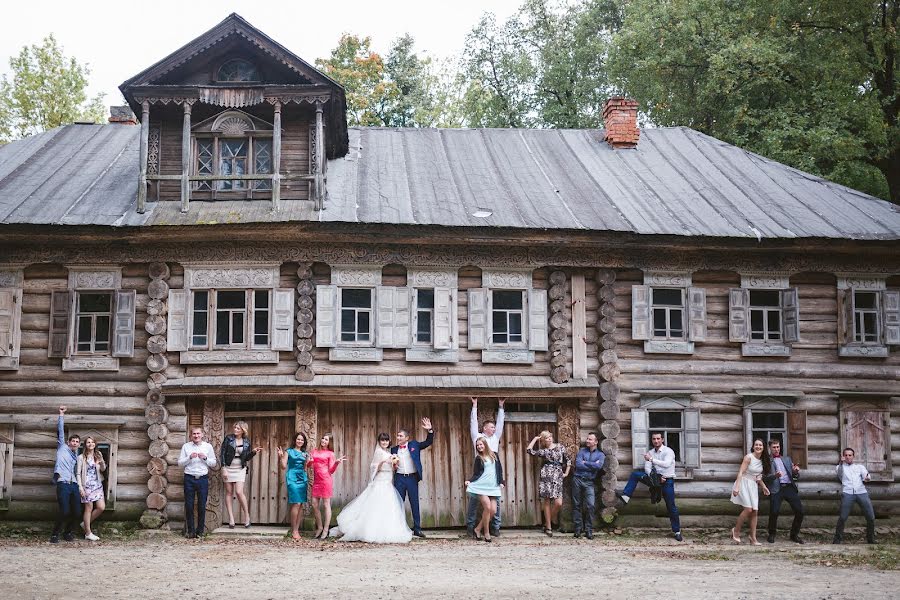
(446, 464)
(264, 486)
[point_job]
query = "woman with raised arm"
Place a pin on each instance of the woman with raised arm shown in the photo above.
(293, 462)
(377, 515)
(555, 468)
(324, 464)
(236, 452)
(746, 489)
(89, 474)
(486, 485)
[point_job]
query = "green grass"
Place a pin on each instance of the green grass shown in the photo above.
(880, 558)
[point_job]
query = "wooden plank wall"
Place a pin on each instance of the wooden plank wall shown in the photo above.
(32, 394)
(717, 368)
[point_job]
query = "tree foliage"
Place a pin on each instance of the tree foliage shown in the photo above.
(47, 89)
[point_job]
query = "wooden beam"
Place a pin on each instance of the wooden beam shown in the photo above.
(145, 142)
(276, 156)
(579, 328)
(320, 158)
(186, 156)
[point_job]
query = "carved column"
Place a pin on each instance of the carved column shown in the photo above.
(567, 434)
(306, 300)
(320, 158)
(609, 389)
(145, 138)
(156, 412)
(186, 155)
(560, 316)
(276, 155)
(214, 426)
(306, 419)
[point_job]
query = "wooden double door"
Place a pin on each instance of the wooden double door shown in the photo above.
(446, 465)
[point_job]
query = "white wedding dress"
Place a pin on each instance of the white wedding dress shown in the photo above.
(377, 515)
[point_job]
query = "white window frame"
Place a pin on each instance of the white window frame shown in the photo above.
(774, 401)
(356, 312)
(887, 315)
(693, 309)
(741, 308)
(11, 289)
(248, 278)
(444, 344)
(79, 314)
(680, 401)
(329, 308)
(535, 333)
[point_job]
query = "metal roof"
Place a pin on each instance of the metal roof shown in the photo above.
(677, 182)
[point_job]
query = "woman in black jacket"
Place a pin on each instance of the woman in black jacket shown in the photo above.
(486, 484)
(235, 454)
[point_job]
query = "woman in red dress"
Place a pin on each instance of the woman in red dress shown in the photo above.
(324, 464)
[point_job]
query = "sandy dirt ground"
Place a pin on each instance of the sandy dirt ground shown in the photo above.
(525, 566)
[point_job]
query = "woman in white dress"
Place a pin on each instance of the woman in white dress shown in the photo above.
(377, 515)
(746, 489)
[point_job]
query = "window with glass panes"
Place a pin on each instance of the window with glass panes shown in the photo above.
(424, 315)
(225, 156)
(667, 312)
(670, 424)
(865, 317)
(765, 315)
(356, 315)
(768, 426)
(93, 316)
(507, 308)
(230, 319)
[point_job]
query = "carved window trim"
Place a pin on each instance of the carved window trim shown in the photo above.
(444, 283)
(105, 431)
(683, 402)
(794, 442)
(230, 125)
(693, 310)
(534, 321)
(741, 313)
(11, 291)
(848, 286)
(349, 276)
(90, 279)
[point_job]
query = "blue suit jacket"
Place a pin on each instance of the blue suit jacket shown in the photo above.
(415, 449)
(772, 482)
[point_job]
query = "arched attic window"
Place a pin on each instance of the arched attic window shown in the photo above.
(237, 70)
(233, 143)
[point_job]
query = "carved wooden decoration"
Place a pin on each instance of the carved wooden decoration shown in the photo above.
(306, 418)
(214, 427)
(558, 321)
(567, 432)
(609, 390)
(306, 300)
(156, 413)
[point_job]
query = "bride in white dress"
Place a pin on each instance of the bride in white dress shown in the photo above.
(746, 489)
(377, 515)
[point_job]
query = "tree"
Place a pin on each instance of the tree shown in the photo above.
(355, 66)
(811, 83)
(47, 89)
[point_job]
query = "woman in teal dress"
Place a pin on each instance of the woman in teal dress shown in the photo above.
(486, 484)
(294, 462)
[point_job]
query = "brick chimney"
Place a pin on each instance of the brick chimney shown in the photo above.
(122, 115)
(620, 121)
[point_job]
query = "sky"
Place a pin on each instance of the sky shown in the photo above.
(119, 39)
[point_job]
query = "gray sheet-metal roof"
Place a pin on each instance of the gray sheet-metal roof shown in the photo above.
(677, 182)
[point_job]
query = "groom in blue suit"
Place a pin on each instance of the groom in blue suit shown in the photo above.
(409, 470)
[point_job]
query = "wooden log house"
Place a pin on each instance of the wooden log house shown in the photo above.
(235, 251)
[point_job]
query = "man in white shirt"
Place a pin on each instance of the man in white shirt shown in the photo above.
(661, 459)
(492, 432)
(853, 478)
(197, 457)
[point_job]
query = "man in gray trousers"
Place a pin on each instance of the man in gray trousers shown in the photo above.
(853, 478)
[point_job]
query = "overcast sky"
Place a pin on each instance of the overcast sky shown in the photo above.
(119, 39)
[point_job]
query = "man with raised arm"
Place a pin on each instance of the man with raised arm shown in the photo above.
(67, 495)
(491, 431)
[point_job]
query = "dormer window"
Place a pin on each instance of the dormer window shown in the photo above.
(237, 70)
(233, 144)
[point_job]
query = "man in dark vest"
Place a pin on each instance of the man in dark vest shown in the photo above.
(782, 483)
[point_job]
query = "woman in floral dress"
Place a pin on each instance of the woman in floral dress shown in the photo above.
(555, 469)
(89, 473)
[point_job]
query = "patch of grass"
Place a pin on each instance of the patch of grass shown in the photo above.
(885, 558)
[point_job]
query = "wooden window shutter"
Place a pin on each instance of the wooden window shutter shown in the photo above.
(326, 316)
(640, 313)
(845, 316)
(123, 324)
(479, 331)
(738, 315)
(696, 309)
(61, 305)
(890, 302)
(444, 314)
(790, 315)
(868, 432)
(392, 318)
(692, 438)
(283, 319)
(177, 336)
(6, 464)
(640, 436)
(796, 434)
(537, 320)
(10, 327)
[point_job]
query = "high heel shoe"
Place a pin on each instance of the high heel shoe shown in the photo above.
(734, 536)
(488, 539)
(478, 535)
(231, 525)
(247, 525)
(753, 542)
